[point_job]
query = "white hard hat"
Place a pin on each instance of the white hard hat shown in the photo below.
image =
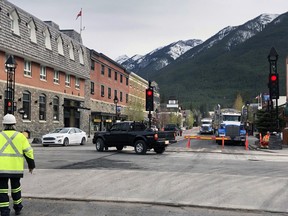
(9, 119)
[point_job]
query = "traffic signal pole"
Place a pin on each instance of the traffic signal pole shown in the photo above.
(149, 102)
(274, 82)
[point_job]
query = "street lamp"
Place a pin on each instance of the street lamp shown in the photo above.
(10, 66)
(115, 102)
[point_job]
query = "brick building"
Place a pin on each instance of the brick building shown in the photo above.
(108, 80)
(52, 73)
(58, 81)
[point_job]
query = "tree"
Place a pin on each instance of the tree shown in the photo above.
(135, 111)
(238, 102)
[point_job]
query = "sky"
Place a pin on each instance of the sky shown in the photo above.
(129, 27)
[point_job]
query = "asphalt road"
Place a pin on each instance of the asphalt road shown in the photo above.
(46, 207)
(77, 180)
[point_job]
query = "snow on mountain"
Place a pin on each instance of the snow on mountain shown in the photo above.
(160, 57)
(249, 29)
(163, 56)
(121, 59)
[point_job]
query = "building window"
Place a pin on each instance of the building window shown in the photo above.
(14, 22)
(42, 107)
(47, 36)
(60, 46)
(127, 98)
(121, 96)
(102, 91)
(121, 78)
(67, 80)
(32, 31)
(115, 93)
(109, 72)
(115, 75)
(56, 77)
(102, 69)
(42, 72)
(77, 83)
(56, 108)
(71, 51)
(26, 105)
(92, 64)
(81, 56)
(109, 93)
(92, 88)
(127, 81)
(27, 68)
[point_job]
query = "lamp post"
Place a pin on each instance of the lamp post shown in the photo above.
(115, 102)
(10, 66)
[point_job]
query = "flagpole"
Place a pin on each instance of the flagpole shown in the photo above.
(81, 22)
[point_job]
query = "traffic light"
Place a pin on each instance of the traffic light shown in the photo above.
(273, 86)
(149, 99)
(8, 106)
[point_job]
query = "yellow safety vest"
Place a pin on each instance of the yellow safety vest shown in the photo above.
(266, 138)
(13, 145)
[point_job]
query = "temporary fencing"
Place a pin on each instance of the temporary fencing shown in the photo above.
(213, 138)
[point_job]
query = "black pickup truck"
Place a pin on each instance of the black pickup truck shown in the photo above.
(136, 134)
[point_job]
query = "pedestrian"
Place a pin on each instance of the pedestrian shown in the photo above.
(14, 147)
(265, 141)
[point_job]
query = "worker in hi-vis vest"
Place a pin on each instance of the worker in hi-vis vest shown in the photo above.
(14, 147)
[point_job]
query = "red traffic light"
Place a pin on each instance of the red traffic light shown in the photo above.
(149, 92)
(9, 103)
(273, 78)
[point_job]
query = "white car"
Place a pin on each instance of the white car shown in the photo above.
(65, 136)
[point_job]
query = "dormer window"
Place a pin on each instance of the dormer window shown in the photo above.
(47, 37)
(60, 45)
(32, 31)
(14, 22)
(71, 51)
(81, 58)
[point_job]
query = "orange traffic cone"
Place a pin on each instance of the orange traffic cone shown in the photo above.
(188, 143)
(246, 142)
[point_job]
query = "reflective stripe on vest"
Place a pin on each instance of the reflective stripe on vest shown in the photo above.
(9, 142)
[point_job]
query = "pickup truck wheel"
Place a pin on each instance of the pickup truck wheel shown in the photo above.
(99, 145)
(119, 148)
(140, 147)
(83, 141)
(159, 150)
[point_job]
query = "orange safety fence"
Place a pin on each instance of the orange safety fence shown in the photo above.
(215, 138)
(205, 138)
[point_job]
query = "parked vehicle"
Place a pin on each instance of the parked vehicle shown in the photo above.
(65, 136)
(134, 134)
(206, 126)
(173, 127)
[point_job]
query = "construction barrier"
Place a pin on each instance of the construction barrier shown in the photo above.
(214, 138)
(206, 138)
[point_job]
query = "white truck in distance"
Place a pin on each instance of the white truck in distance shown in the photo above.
(206, 126)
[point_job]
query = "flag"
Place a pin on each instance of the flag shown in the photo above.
(79, 14)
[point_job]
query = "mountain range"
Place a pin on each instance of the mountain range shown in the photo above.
(233, 61)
